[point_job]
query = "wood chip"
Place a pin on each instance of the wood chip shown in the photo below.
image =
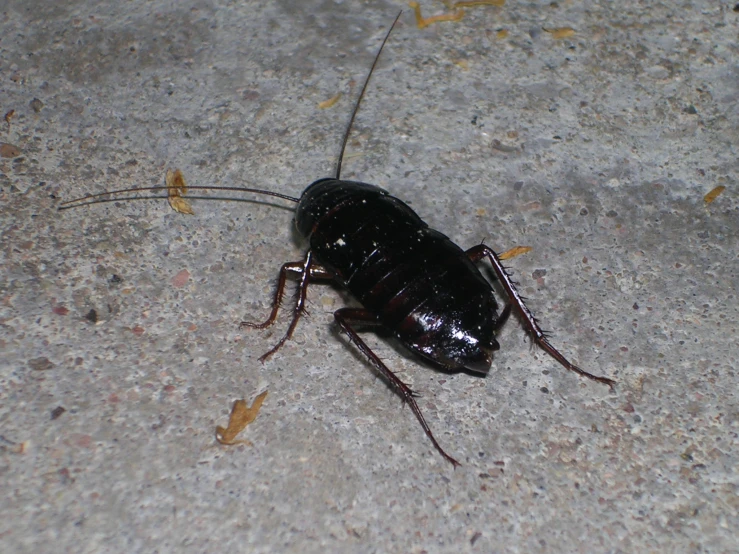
(240, 417)
(176, 189)
(8, 116)
(422, 22)
(711, 196)
(330, 102)
(513, 252)
(560, 32)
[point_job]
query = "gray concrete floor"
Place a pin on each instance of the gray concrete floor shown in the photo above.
(607, 142)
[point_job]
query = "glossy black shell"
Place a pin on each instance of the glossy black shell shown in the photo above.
(419, 284)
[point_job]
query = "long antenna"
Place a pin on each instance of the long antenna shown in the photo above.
(83, 200)
(361, 95)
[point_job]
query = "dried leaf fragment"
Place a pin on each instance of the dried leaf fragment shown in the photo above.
(330, 102)
(560, 32)
(501, 34)
(422, 22)
(711, 196)
(180, 205)
(8, 116)
(240, 417)
(513, 252)
(176, 188)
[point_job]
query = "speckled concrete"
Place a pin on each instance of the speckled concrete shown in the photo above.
(596, 150)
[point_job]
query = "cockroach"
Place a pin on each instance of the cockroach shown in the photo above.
(411, 280)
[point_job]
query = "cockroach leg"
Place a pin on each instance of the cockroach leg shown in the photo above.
(306, 270)
(345, 317)
(295, 268)
(503, 317)
(477, 253)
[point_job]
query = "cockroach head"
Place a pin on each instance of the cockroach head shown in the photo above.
(326, 195)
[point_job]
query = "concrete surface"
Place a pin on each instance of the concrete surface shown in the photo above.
(607, 142)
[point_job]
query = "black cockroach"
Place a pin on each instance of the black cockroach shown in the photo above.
(410, 279)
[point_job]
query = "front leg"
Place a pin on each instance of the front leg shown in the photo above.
(303, 270)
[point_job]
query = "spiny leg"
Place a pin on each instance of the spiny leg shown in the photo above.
(305, 270)
(344, 317)
(477, 253)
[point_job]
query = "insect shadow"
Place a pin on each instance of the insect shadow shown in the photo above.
(411, 281)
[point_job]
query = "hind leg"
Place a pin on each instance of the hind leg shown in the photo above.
(477, 253)
(345, 317)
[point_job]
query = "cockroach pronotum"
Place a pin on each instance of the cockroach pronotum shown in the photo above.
(410, 279)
